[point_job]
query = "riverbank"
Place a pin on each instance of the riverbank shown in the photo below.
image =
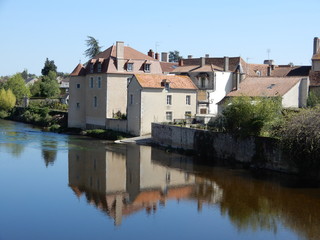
(57, 121)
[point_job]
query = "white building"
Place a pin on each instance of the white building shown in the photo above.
(159, 98)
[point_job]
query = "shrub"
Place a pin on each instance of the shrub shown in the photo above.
(249, 116)
(300, 137)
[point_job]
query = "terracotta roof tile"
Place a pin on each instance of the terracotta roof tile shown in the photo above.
(265, 86)
(154, 81)
(78, 71)
(168, 66)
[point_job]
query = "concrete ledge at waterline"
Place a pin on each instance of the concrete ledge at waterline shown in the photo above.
(143, 140)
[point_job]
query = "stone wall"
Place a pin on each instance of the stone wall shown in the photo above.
(117, 124)
(256, 152)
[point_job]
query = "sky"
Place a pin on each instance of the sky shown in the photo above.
(33, 30)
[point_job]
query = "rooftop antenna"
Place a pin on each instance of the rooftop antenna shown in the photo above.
(268, 51)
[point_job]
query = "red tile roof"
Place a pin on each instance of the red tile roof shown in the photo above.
(168, 67)
(155, 80)
(265, 86)
(78, 71)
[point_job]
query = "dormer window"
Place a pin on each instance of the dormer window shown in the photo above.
(166, 84)
(147, 67)
(91, 68)
(130, 67)
(99, 67)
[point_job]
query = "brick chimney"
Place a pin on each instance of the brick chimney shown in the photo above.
(120, 55)
(164, 57)
(180, 62)
(157, 56)
(151, 53)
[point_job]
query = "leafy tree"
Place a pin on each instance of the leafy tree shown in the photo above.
(250, 116)
(93, 47)
(7, 99)
(49, 86)
(174, 56)
(35, 89)
(17, 84)
(313, 99)
(24, 74)
(48, 66)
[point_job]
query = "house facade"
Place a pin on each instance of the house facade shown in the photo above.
(214, 77)
(159, 98)
(293, 91)
(99, 90)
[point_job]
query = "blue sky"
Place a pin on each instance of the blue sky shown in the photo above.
(34, 30)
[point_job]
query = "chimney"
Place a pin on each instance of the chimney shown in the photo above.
(207, 56)
(269, 70)
(202, 61)
(226, 64)
(164, 57)
(238, 79)
(189, 56)
(180, 62)
(157, 56)
(151, 53)
(120, 55)
(315, 45)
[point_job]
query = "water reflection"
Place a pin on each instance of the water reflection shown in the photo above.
(49, 151)
(122, 180)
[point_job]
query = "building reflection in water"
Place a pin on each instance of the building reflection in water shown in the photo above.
(125, 179)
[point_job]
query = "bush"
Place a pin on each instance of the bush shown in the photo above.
(246, 116)
(300, 137)
(106, 134)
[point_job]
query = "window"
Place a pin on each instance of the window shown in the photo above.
(91, 68)
(95, 101)
(203, 111)
(188, 100)
(99, 82)
(99, 67)
(131, 99)
(187, 114)
(130, 67)
(78, 85)
(147, 67)
(78, 105)
(91, 82)
(169, 100)
(203, 82)
(169, 116)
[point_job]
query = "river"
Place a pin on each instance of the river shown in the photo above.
(56, 186)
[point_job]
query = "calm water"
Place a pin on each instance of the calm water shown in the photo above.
(66, 187)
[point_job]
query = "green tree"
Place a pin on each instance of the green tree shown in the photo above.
(250, 116)
(49, 86)
(17, 84)
(7, 99)
(48, 66)
(93, 47)
(174, 56)
(35, 89)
